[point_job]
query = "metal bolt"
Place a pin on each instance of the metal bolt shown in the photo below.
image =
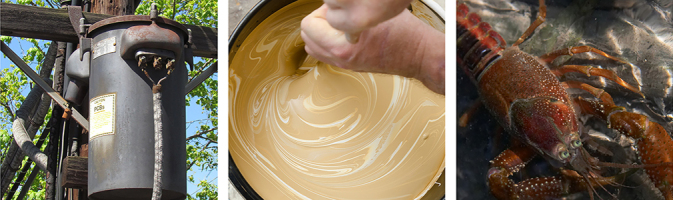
(189, 40)
(81, 26)
(154, 13)
(170, 63)
(142, 61)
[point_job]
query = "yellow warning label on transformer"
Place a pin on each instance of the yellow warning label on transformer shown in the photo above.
(102, 115)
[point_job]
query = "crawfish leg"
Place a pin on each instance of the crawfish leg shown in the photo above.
(654, 144)
(511, 161)
(465, 117)
(591, 71)
(575, 50)
(514, 159)
(541, 15)
(601, 94)
(507, 163)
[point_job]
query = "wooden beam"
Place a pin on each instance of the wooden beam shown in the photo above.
(54, 24)
(75, 172)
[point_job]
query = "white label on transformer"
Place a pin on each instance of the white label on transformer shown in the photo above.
(103, 47)
(102, 115)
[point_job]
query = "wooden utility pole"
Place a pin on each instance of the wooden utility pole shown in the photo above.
(114, 7)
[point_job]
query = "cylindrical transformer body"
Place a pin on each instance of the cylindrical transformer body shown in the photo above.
(121, 141)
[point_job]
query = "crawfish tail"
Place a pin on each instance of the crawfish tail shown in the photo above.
(478, 44)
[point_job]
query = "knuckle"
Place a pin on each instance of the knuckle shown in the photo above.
(342, 53)
(305, 23)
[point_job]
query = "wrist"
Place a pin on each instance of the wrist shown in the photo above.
(403, 49)
(430, 59)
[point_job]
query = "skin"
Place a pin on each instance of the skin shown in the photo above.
(355, 16)
(402, 45)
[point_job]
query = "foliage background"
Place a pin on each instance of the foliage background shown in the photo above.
(202, 132)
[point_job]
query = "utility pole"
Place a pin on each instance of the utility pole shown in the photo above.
(114, 7)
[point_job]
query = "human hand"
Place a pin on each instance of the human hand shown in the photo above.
(329, 45)
(403, 46)
(354, 16)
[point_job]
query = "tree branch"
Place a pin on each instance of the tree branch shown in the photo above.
(49, 2)
(205, 66)
(174, 10)
(210, 140)
(201, 189)
(199, 134)
(192, 164)
(189, 123)
(9, 110)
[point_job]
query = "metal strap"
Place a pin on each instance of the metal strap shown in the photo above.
(44, 85)
(78, 24)
(75, 13)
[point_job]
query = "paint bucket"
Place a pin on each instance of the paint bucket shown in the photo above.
(428, 11)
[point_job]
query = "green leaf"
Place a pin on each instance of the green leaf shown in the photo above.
(6, 39)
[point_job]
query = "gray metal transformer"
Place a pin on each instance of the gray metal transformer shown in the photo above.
(121, 137)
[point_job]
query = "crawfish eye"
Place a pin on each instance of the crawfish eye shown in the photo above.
(561, 152)
(576, 143)
(564, 154)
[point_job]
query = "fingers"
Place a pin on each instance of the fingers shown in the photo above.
(322, 39)
(351, 16)
(354, 16)
(316, 50)
(348, 20)
(337, 4)
(316, 28)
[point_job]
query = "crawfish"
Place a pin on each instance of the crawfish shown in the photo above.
(532, 105)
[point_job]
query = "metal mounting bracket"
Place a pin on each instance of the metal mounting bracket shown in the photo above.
(79, 25)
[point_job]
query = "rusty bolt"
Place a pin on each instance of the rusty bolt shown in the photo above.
(66, 113)
(158, 62)
(170, 63)
(154, 13)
